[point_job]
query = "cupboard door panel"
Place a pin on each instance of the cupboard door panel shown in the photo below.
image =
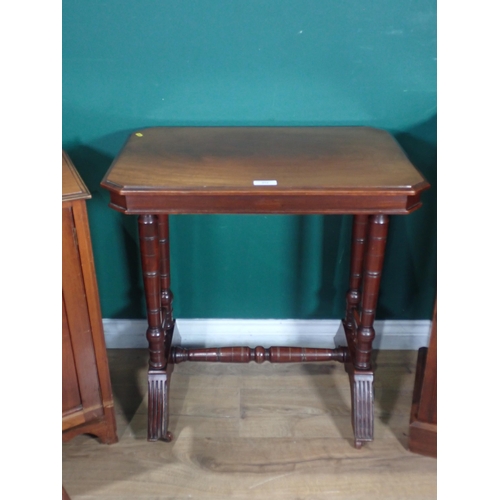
(71, 397)
(78, 317)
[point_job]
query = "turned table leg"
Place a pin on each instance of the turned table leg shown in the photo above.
(166, 294)
(367, 257)
(358, 245)
(372, 275)
(167, 297)
(152, 256)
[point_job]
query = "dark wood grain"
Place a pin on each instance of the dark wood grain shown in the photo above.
(372, 274)
(358, 246)
(155, 270)
(166, 293)
(259, 354)
(212, 170)
(359, 171)
(148, 238)
(367, 257)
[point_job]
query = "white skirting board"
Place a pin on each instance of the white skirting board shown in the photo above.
(390, 334)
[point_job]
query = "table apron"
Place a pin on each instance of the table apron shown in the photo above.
(244, 204)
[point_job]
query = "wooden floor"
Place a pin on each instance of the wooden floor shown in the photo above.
(254, 431)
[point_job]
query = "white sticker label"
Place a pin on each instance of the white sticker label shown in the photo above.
(265, 183)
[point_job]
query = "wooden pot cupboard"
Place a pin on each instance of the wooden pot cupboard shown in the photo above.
(356, 171)
(423, 418)
(87, 401)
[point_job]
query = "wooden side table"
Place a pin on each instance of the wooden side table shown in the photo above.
(87, 401)
(218, 170)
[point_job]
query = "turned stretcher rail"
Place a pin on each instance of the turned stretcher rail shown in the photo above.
(259, 354)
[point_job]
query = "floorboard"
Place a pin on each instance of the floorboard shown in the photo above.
(254, 431)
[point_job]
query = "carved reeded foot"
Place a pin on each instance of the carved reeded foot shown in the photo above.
(362, 407)
(158, 387)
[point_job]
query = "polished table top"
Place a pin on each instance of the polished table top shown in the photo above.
(263, 170)
(256, 170)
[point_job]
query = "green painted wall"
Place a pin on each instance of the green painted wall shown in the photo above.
(131, 64)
